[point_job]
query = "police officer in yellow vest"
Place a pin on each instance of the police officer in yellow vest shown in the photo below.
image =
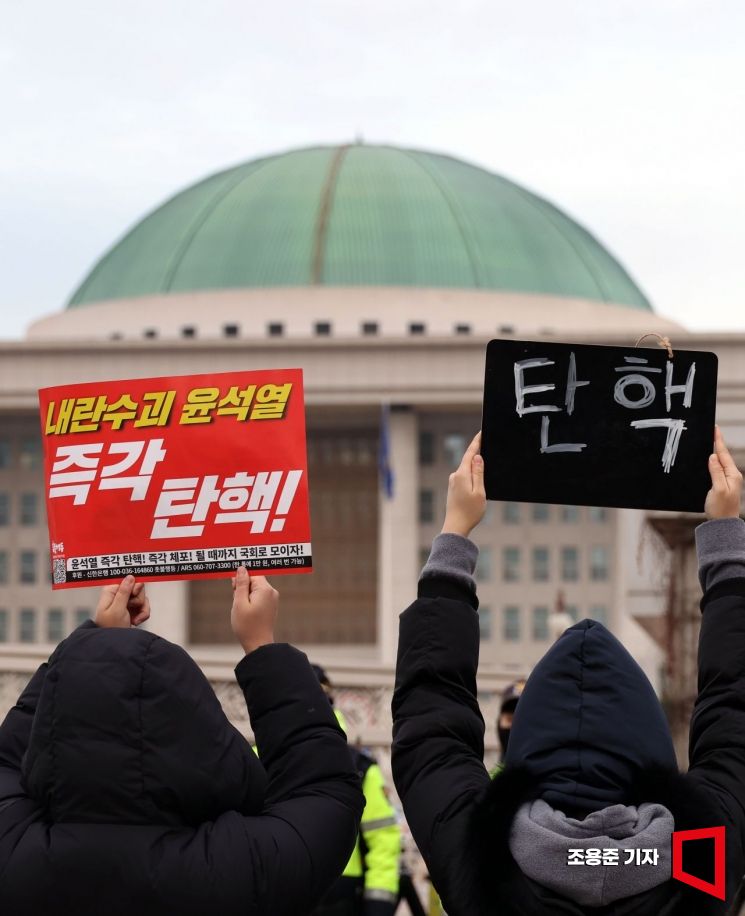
(369, 883)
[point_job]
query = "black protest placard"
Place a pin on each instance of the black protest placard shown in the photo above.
(598, 426)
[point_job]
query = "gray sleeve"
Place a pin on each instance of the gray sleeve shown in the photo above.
(454, 557)
(720, 544)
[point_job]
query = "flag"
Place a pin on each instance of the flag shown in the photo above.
(384, 456)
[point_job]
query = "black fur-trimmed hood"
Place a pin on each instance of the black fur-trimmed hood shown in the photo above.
(589, 723)
(588, 733)
(506, 892)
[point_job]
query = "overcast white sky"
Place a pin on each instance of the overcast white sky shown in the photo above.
(628, 114)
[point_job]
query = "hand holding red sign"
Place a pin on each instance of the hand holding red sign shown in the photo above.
(254, 611)
(123, 605)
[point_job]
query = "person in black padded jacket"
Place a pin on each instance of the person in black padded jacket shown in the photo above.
(125, 790)
(590, 763)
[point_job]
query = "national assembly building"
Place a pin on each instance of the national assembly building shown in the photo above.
(382, 273)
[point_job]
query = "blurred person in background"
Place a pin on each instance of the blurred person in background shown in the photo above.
(370, 883)
(410, 866)
(510, 697)
(125, 790)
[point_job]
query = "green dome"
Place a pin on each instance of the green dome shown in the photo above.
(359, 216)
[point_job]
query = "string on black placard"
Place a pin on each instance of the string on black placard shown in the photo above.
(663, 341)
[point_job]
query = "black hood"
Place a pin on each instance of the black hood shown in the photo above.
(588, 723)
(129, 730)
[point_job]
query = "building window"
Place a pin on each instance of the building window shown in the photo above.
(275, 329)
(599, 612)
(29, 509)
(27, 627)
(4, 509)
(188, 330)
(423, 556)
(511, 630)
(322, 328)
(570, 513)
(511, 564)
(463, 329)
(55, 625)
(30, 457)
(540, 564)
(3, 567)
(417, 327)
(484, 565)
(426, 447)
(599, 563)
(370, 328)
(426, 506)
(511, 513)
(81, 615)
(28, 567)
(454, 445)
(569, 564)
(506, 329)
(485, 622)
(230, 330)
(347, 452)
(3, 625)
(150, 333)
(4, 453)
(540, 623)
(597, 514)
(540, 512)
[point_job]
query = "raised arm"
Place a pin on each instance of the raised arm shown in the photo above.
(307, 830)
(314, 800)
(717, 739)
(116, 604)
(17, 810)
(438, 731)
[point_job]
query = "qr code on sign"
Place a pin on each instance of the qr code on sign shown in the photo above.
(59, 574)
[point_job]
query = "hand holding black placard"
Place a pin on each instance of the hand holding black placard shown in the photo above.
(466, 502)
(723, 499)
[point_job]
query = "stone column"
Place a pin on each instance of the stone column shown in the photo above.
(169, 602)
(398, 531)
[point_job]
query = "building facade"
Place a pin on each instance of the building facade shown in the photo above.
(383, 274)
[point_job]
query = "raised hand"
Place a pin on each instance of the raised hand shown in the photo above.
(466, 502)
(723, 499)
(123, 605)
(254, 611)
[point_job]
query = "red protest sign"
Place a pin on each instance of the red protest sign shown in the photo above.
(176, 478)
